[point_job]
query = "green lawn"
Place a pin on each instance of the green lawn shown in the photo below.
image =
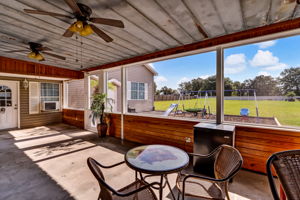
(287, 113)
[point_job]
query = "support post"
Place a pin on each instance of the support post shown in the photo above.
(123, 98)
(220, 86)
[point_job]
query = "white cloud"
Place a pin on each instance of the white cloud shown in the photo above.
(267, 60)
(266, 44)
(205, 76)
(279, 66)
(264, 58)
(183, 79)
(235, 63)
(160, 79)
(264, 73)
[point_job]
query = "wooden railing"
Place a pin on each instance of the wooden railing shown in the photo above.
(255, 144)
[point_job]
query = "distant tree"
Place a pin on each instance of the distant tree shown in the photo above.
(290, 80)
(209, 83)
(166, 91)
(185, 86)
(236, 86)
(156, 92)
(264, 85)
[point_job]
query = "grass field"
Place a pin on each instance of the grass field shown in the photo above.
(287, 113)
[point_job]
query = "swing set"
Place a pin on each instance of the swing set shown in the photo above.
(205, 110)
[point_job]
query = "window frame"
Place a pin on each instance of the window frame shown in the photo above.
(6, 97)
(138, 91)
(40, 106)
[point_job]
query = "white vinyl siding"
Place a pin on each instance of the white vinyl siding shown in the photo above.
(146, 91)
(34, 97)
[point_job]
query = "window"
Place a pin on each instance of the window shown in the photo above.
(49, 92)
(44, 97)
(262, 83)
(183, 87)
(137, 91)
(5, 96)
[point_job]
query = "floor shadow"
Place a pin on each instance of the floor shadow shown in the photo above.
(21, 178)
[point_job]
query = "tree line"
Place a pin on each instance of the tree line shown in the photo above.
(287, 84)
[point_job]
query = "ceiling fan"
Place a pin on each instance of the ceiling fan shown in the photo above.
(82, 15)
(36, 51)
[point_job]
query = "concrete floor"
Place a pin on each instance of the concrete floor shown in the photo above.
(49, 162)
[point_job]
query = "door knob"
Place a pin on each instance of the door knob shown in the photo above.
(2, 110)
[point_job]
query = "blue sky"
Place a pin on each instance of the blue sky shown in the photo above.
(244, 62)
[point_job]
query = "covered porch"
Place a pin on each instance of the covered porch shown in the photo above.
(49, 162)
(46, 128)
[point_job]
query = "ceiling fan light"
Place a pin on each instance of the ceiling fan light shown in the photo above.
(31, 55)
(87, 30)
(39, 57)
(73, 28)
(79, 26)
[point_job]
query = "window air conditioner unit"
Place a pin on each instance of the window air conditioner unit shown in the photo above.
(50, 105)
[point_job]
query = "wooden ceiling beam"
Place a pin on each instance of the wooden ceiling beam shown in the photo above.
(234, 37)
(14, 66)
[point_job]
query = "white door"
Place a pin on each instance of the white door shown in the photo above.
(8, 104)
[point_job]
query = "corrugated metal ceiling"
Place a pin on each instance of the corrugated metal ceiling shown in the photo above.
(150, 26)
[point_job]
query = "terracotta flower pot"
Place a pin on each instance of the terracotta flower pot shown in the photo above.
(102, 129)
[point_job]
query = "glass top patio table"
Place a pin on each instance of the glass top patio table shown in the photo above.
(157, 159)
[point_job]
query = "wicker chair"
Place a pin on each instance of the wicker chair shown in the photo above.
(136, 190)
(228, 161)
(287, 167)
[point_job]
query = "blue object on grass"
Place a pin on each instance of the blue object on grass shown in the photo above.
(244, 112)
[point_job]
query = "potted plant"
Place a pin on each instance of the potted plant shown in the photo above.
(98, 113)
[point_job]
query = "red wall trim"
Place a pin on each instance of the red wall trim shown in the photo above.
(14, 66)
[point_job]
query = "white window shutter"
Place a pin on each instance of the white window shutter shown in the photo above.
(128, 90)
(146, 91)
(34, 97)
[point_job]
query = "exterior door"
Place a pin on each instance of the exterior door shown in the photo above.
(8, 104)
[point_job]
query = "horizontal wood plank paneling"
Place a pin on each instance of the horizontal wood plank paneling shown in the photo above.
(150, 130)
(115, 125)
(73, 117)
(14, 66)
(255, 144)
(258, 144)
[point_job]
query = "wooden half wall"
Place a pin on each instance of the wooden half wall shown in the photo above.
(73, 117)
(14, 66)
(255, 144)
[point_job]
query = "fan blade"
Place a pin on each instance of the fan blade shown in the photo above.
(73, 5)
(101, 34)
(68, 33)
(15, 51)
(54, 55)
(40, 12)
(110, 22)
